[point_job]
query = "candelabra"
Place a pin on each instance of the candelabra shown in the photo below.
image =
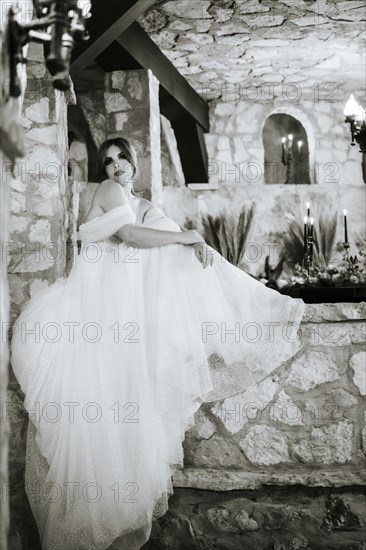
(59, 26)
(288, 159)
(356, 116)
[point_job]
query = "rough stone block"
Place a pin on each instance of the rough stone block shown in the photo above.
(40, 232)
(317, 313)
(265, 446)
(116, 80)
(327, 445)
(311, 369)
(188, 10)
(204, 428)
(216, 452)
(114, 102)
(18, 224)
(231, 519)
(358, 365)
(46, 135)
(240, 409)
(286, 410)
(38, 112)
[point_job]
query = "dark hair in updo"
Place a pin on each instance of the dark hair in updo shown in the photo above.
(125, 146)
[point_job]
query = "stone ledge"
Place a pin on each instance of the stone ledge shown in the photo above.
(342, 311)
(229, 480)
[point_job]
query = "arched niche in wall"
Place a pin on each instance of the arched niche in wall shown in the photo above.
(285, 160)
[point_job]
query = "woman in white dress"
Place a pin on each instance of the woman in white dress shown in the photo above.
(115, 359)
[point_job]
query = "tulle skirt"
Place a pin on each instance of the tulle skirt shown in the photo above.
(114, 361)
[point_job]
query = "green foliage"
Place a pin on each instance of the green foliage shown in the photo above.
(228, 234)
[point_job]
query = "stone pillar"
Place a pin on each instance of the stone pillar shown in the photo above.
(40, 199)
(37, 251)
(132, 112)
(11, 149)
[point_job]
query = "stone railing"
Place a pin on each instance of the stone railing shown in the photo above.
(304, 424)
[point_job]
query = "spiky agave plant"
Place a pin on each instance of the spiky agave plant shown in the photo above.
(324, 241)
(228, 233)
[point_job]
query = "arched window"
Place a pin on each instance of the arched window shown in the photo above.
(286, 150)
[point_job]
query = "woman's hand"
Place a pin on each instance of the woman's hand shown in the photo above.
(204, 253)
(190, 236)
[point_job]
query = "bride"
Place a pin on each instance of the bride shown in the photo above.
(115, 359)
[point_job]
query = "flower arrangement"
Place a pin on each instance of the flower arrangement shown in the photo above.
(348, 271)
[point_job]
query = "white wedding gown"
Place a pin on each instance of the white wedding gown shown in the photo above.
(115, 359)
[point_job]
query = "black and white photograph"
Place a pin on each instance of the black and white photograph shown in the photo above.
(183, 275)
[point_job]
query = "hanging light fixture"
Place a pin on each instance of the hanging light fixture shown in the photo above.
(356, 117)
(59, 25)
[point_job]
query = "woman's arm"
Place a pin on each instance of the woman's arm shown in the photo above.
(112, 195)
(144, 237)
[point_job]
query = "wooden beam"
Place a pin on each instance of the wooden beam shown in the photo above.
(122, 45)
(137, 43)
(192, 150)
(109, 18)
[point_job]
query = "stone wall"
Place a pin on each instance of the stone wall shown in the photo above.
(276, 208)
(234, 152)
(286, 518)
(250, 60)
(281, 465)
(305, 424)
(42, 221)
(40, 193)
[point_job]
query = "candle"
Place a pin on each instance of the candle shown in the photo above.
(289, 148)
(345, 226)
(299, 145)
(311, 238)
(283, 145)
(305, 233)
(308, 207)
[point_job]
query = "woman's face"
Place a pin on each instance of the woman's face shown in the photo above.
(117, 166)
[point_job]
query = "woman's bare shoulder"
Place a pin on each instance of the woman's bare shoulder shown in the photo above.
(96, 206)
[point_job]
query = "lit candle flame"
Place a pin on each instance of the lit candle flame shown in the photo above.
(352, 107)
(305, 219)
(312, 221)
(344, 212)
(361, 115)
(283, 140)
(290, 137)
(308, 204)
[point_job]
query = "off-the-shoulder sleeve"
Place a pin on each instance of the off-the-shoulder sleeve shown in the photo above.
(107, 224)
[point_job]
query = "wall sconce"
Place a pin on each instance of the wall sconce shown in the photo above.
(59, 26)
(356, 117)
